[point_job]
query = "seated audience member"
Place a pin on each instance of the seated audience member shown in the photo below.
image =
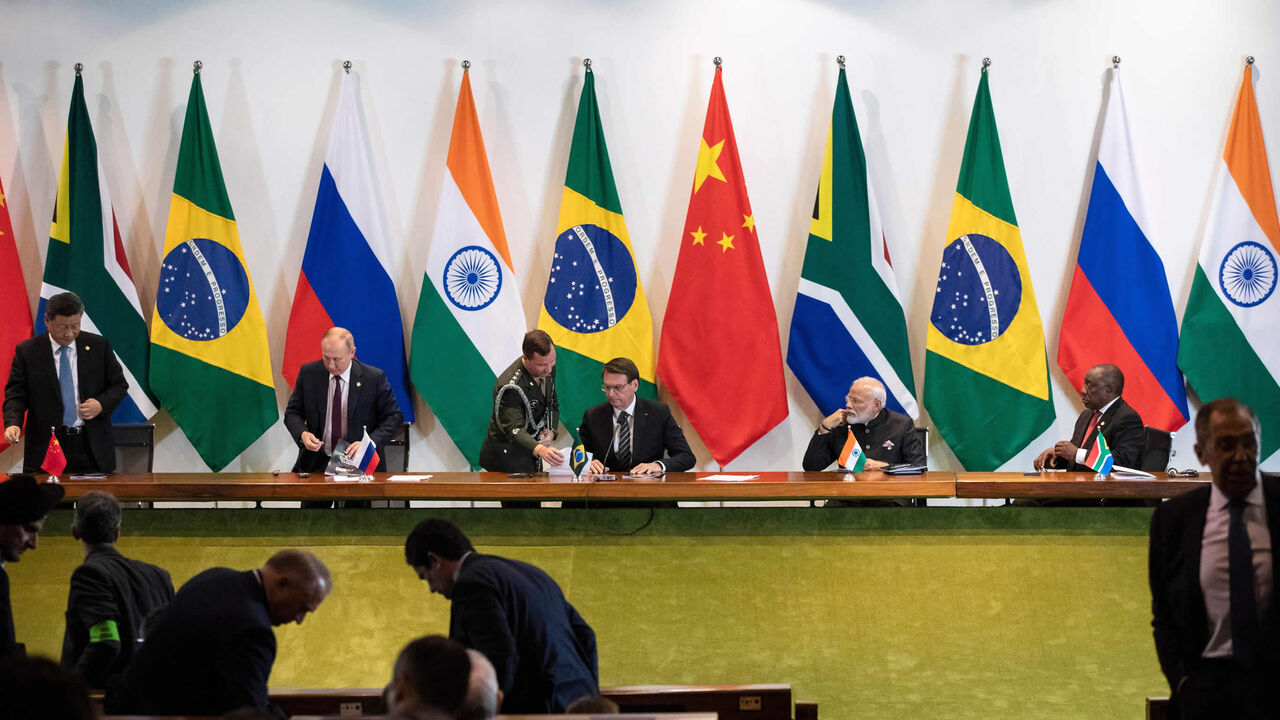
(430, 679)
(111, 596)
(36, 688)
(1213, 572)
(212, 648)
(592, 705)
(1105, 412)
(544, 653)
(886, 437)
(24, 503)
(484, 697)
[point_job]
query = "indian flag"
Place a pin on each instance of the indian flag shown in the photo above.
(210, 364)
(1230, 344)
(470, 322)
(851, 455)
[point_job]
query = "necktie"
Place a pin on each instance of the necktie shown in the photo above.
(1244, 604)
(335, 415)
(68, 386)
(624, 440)
(1088, 432)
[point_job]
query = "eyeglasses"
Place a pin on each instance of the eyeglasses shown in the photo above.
(1175, 473)
(615, 388)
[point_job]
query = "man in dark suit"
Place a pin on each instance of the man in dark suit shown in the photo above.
(211, 650)
(111, 596)
(886, 437)
(631, 434)
(24, 503)
(1105, 412)
(335, 400)
(68, 381)
(512, 612)
(1213, 569)
(525, 411)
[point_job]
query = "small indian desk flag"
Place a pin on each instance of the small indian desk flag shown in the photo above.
(366, 457)
(54, 461)
(851, 456)
(1099, 457)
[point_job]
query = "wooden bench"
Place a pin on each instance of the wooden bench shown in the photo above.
(1157, 708)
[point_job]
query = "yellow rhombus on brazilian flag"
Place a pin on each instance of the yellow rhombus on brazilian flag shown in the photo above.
(986, 374)
(210, 364)
(594, 308)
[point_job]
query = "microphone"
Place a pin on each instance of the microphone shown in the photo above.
(613, 444)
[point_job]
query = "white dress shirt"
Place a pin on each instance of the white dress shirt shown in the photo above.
(1215, 565)
(330, 439)
(1081, 453)
(75, 372)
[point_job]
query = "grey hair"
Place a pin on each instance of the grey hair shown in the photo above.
(97, 517)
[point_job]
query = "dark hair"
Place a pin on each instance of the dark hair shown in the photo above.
(64, 304)
(621, 366)
(1111, 375)
(97, 517)
(36, 688)
(536, 342)
(1221, 405)
(435, 536)
(439, 671)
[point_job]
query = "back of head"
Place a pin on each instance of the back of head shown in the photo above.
(97, 517)
(536, 342)
(483, 695)
(435, 536)
(301, 565)
(35, 688)
(432, 671)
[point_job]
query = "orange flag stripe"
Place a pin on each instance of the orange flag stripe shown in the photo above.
(469, 166)
(1246, 158)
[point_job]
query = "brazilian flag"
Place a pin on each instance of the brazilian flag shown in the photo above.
(594, 308)
(210, 364)
(986, 374)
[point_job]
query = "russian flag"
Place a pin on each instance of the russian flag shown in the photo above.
(366, 457)
(1119, 309)
(344, 279)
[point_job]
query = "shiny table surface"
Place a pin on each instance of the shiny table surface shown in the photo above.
(1071, 485)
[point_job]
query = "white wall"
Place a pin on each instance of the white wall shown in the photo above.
(271, 73)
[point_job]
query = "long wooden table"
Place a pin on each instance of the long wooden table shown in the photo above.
(770, 485)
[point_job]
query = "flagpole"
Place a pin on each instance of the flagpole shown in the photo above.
(840, 61)
(195, 67)
(1115, 62)
(346, 66)
(986, 63)
(79, 67)
(586, 63)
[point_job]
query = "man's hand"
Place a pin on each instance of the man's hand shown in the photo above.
(1042, 459)
(874, 464)
(549, 455)
(596, 467)
(834, 420)
(12, 434)
(1066, 451)
(352, 448)
(90, 409)
(652, 468)
(310, 441)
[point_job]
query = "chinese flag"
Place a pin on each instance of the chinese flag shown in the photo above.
(719, 355)
(54, 461)
(14, 307)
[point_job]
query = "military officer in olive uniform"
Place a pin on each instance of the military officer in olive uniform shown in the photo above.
(525, 411)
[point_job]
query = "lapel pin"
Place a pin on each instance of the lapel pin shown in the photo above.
(357, 383)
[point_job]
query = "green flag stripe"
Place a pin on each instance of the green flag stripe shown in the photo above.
(451, 374)
(1218, 360)
(982, 178)
(218, 442)
(578, 387)
(996, 420)
(589, 173)
(199, 174)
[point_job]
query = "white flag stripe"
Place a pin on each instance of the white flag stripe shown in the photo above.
(892, 383)
(353, 173)
(1115, 154)
(109, 261)
(495, 330)
(878, 261)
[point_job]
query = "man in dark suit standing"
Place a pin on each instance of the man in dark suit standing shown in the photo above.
(631, 434)
(885, 436)
(1213, 570)
(111, 596)
(335, 400)
(1105, 412)
(525, 411)
(212, 648)
(68, 381)
(24, 503)
(512, 612)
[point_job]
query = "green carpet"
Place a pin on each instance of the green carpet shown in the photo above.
(873, 613)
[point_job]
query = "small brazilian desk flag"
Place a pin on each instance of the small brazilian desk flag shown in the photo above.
(1099, 457)
(594, 308)
(851, 456)
(210, 365)
(986, 373)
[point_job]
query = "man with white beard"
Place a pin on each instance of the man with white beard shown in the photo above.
(886, 437)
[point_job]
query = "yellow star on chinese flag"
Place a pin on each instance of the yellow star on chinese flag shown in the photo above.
(1, 199)
(749, 222)
(698, 236)
(726, 243)
(707, 167)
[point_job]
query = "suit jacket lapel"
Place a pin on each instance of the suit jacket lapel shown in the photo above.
(50, 367)
(355, 391)
(1192, 541)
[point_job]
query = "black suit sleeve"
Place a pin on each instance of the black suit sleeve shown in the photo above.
(116, 387)
(484, 625)
(91, 601)
(386, 413)
(913, 450)
(821, 451)
(586, 639)
(1168, 631)
(1127, 439)
(677, 448)
(244, 661)
(295, 413)
(589, 441)
(15, 392)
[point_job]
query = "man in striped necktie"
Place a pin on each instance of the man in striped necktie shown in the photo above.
(1104, 412)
